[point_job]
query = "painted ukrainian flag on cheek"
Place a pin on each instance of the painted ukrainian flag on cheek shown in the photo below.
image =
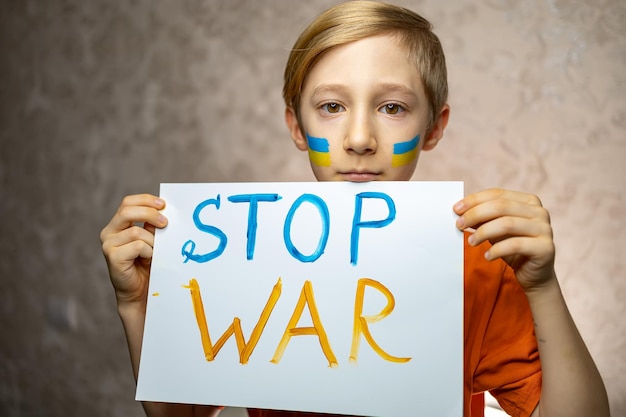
(319, 151)
(404, 152)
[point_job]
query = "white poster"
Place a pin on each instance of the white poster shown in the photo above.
(337, 297)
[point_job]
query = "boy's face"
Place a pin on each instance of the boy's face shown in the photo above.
(364, 113)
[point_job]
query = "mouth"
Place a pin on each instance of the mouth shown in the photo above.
(359, 176)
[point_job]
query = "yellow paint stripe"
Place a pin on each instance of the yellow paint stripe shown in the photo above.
(320, 158)
(403, 158)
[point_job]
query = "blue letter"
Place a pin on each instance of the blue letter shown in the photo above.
(253, 199)
(357, 224)
(188, 253)
(323, 210)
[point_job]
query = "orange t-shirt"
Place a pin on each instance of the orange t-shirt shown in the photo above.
(500, 349)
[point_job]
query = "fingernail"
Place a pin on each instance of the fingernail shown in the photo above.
(162, 219)
(471, 239)
(159, 202)
(460, 222)
(458, 206)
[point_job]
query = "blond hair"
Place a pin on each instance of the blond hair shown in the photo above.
(355, 20)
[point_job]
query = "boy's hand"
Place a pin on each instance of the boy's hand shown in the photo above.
(127, 247)
(519, 229)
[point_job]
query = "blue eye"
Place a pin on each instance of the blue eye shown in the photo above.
(391, 108)
(332, 107)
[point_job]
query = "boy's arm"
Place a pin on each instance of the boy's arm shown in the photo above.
(128, 252)
(519, 229)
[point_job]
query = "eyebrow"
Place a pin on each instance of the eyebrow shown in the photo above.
(328, 88)
(380, 87)
(397, 88)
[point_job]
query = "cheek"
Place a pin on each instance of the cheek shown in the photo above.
(319, 151)
(404, 153)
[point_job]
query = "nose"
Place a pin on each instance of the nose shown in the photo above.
(360, 138)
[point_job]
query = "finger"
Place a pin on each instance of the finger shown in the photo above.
(129, 235)
(493, 209)
(147, 200)
(524, 247)
(481, 197)
(136, 209)
(141, 200)
(123, 257)
(149, 227)
(129, 218)
(503, 228)
(122, 262)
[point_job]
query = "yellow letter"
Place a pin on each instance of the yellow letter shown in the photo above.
(306, 296)
(361, 322)
(245, 349)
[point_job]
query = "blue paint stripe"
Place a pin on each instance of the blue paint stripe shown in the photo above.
(317, 144)
(404, 147)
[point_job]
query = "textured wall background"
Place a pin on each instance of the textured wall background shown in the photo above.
(99, 99)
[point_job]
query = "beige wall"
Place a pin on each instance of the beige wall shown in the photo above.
(99, 99)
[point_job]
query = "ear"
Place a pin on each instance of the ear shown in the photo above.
(436, 132)
(294, 128)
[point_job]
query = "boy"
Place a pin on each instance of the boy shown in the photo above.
(361, 79)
